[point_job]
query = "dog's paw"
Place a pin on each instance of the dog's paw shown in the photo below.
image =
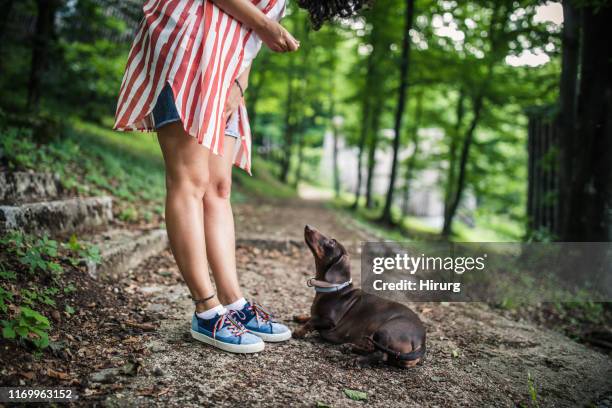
(299, 333)
(361, 362)
(346, 348)
(301, 318)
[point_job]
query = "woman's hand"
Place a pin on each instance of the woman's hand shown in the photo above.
(277, 38)
(271, 32)
(233, 101)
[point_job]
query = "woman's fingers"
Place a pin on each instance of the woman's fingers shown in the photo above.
(277, 38)
(291, 43)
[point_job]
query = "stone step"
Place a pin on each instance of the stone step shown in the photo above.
(20, 186)
(57, 217)
(122, 250)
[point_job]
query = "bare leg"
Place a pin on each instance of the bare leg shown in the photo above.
(219, 225)
(187, 180)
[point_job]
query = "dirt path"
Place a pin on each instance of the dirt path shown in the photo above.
(475, 356)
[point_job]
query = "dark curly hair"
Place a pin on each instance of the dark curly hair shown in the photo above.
(324, 10)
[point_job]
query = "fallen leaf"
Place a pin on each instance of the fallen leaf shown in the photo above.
(142, 326)
(147, 392)
(57, 374)
(29, 375)
(356, 395)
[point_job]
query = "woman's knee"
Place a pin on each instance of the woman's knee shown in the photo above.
(220, 187)
(192, 183)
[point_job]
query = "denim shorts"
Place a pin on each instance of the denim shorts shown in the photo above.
(165, 112)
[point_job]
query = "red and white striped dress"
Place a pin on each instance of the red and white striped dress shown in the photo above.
(198, 49)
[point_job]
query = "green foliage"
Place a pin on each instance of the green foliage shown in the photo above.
(29, 326)
(128, 214)
(5, 297)
(356, 395)
(533, 393)
(82, 252)
(30, 272)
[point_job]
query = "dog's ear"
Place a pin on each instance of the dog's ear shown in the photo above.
(339, 271)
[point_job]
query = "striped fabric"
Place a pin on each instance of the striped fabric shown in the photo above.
(198, 49)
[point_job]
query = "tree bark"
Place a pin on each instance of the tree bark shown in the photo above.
(453, 146)
(399, 113)
(372, 146)
(43, 34)
(411, 163)
(335, 160)
(570, 61)
(463, 161)
(289, 131)
(589, 215)
(365, 127)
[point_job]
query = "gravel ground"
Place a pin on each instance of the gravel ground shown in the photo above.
(475, 356)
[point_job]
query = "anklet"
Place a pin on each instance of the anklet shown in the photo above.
(198, 301)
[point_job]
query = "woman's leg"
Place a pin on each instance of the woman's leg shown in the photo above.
(187, 181)
(219, 225)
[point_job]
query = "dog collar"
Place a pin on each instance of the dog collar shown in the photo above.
(326, 287)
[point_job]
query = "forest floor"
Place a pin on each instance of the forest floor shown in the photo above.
(476, 357)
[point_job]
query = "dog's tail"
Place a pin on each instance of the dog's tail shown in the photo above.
(418, 354)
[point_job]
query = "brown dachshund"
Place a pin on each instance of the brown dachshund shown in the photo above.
(379, 329)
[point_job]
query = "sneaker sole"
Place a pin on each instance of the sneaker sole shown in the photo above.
(231, 348)
(273, 338)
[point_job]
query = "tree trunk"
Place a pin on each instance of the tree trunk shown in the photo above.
(372, 146)
(589, 216)
(365, 127)
(411, 163)
(570, 61)
(452, 156)
(463, 161)
(298, 170)
(289, 127)
(334, 127)
(336, 170)
(399, 113)
(43, 34)
(360, 148)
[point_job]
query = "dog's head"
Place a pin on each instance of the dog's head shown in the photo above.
(331, 258)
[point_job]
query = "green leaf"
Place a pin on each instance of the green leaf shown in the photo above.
(73, 244)
(22, 331)
(69, 309)
(323, 405)
(69, 289)
(8, 332)
(33, 314)
(6, 274)
(356, 395)
(41, 342)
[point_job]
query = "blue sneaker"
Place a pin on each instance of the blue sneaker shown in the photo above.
(261, 323)
(226, 333)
